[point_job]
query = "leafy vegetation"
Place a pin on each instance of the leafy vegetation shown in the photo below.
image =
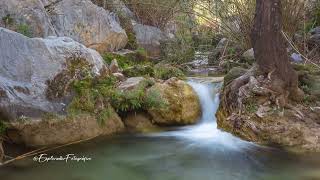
(24, 29)
(99, 97)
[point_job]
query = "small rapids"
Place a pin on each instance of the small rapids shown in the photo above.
(206, 131)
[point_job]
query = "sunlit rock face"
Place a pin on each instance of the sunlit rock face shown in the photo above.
(81, 20)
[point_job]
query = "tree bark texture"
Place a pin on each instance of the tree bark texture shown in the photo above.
(270, 46)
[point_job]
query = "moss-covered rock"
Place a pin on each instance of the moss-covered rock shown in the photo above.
(183, 106)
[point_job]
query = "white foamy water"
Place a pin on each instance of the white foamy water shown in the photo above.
(206, 132)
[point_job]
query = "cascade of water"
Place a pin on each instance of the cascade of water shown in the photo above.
(206, 131)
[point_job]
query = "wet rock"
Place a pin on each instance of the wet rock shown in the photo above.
(183, 106)
(255, 113)
(27, 75)
(140, 122)
(64, 130)
(36, 80)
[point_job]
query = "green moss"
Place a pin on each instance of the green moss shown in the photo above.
(98, 96)
(24, 29)
(59, 86)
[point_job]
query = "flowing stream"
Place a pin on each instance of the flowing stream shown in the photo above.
(198, 152)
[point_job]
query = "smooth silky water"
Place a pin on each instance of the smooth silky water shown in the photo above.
(199, 152)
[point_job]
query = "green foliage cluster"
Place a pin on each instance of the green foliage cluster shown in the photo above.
(99, 97)
(139, 57)
(135, 68)
(159, 71)
(21, 28)
(3, 127)
(24, 29)
(166, 72)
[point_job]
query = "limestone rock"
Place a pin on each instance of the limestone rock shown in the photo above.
(183, 105)
(149, 38)
(29, 13)
(139, 122)
(27, 67)
(81, 20)
(89, 24)
(63, 131)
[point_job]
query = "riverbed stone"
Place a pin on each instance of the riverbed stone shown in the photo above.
(57, 131)
(140, 122)
(182, 103)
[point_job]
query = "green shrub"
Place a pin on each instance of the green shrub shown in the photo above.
(139, 70)
(166, 72)
(137, 58)
(24, 29)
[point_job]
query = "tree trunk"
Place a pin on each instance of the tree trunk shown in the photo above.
(270, 48)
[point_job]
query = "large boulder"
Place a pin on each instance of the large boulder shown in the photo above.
(27, 67)
(183, 105)
(30, 14)
(89, 24)
(81, 20)
(35, 80)
(149, 38)
(55, 131)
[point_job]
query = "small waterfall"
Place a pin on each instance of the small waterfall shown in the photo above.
(206, 131)
(209, 100)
